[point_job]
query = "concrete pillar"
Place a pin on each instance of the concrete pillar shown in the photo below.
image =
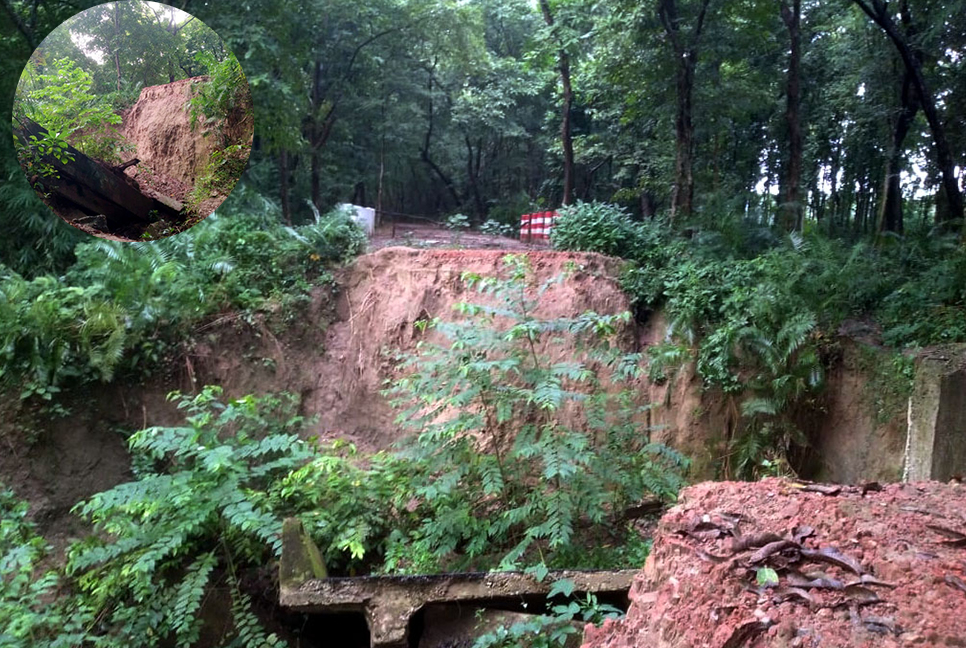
(936, 442)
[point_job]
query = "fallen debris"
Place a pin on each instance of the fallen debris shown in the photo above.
(801, 568)
(389, 602)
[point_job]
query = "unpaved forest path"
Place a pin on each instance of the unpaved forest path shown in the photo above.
(432, 235)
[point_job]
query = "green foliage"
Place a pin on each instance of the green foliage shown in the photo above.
(511, 449)
(61, 101)
(458, 223)
(350, 504)
(225, 91)
(198, 515)
(889, 384)
(122, 304)
(754, 317)
(595, 227)
(51, 332)
(219, 176)
(555, 629)
(496, 228)
(29, 615)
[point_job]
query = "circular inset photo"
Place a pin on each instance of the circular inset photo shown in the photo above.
(133, 121)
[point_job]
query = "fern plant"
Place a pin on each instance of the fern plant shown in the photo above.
(197, 515)
(787, 371)
(515, 453)
(29, 613)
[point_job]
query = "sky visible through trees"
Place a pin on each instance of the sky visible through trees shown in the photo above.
(842, 115)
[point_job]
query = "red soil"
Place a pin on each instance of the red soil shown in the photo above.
(859, 569)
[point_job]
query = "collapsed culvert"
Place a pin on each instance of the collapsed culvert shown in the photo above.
(427, 610)
(177, 165)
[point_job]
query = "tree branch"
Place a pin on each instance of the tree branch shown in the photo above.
(19, 23)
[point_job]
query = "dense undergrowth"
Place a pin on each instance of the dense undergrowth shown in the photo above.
(758, 314)
(515, 461)
(125, 307)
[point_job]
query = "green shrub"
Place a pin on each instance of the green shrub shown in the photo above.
(502, 476)
(496, 228)
(595, 227)
(121, 304)
(225, 90)
(62, 103)
(220, 175)
(30, 615)
(197, 515)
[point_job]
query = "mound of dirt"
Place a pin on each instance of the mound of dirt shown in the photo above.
(159, 125)
(856, 567)
(385, 293)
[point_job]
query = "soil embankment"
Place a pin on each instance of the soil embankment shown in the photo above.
(336, 353)
(856, 568)
(172, 153)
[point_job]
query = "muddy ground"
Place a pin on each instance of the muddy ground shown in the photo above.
(857, 566)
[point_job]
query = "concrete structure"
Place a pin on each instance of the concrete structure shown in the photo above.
(936, 441)
(389, 602)
(96, 187)
(365, 217)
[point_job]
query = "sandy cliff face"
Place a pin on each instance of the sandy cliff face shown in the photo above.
(159, 125)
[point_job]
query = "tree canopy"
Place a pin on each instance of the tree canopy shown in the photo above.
(842, 115)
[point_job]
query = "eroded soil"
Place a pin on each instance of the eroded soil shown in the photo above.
(857, 567)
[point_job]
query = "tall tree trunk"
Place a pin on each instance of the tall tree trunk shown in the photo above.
(315, 184)
(427, 142)
(473, 162)
(686, 51)
(117, 43)
(878, 11)
(682, 200)
(890, 209)
(791, 206)
(566, 136)
(27, 31)
(283, 185)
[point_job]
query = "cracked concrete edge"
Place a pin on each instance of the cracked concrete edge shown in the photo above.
(301, 560)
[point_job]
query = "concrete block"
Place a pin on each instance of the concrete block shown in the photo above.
(936, 442)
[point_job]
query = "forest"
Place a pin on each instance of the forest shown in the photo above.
(80, 119)
(772, 175)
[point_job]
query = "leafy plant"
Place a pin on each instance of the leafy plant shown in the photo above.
(496, 228)
(62, 103)
(594, 227)
(219, 176)
(514, 452)
(555, 629)
(120, 304)
(29, 613)
(224, 91)
(457, 223)
(198, 514)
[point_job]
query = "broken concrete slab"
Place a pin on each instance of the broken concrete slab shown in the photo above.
(389, 602)
(95, 187)
(936, 442)
(459, 626)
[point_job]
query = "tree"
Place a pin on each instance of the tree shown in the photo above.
(566, 136)
(879, 12)
(685, 47)
(791, 207)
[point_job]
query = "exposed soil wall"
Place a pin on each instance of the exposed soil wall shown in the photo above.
(334, 354)
(159, 126)
(853, 441)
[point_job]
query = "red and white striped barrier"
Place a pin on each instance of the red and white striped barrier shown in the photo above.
(536, 227)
